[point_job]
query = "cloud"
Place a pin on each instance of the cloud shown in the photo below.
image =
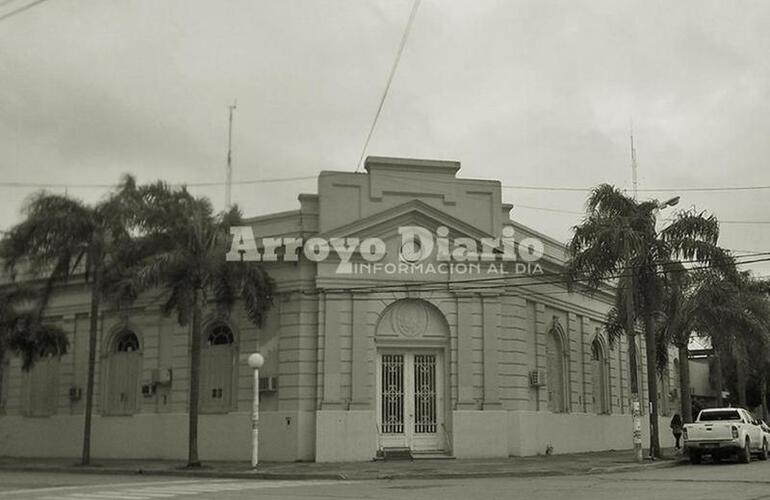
(529, 92)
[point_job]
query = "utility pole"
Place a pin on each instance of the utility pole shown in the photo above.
(229, 178)
(634, 179)
(633, 363)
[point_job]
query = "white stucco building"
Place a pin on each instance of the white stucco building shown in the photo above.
(439, 360)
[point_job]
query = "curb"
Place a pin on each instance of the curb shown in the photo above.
(212, 474)
(664, 464)
(295, 476)
(536, 473)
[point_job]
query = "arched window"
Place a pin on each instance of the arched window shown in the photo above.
(220, 335)
(601, 395)
(217, 368)
(127, 342)
(556, 382)
(123, 367)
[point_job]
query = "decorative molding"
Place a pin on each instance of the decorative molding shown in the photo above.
(410, 318)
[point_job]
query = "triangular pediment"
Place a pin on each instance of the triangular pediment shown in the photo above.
(384, 227)
(412, 213)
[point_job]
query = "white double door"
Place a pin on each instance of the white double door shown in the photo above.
(410, 400)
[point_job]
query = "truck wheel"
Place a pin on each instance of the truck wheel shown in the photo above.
(695, 457)
(744, 456)
(764, 453)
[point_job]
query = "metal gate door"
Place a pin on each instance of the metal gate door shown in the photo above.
(410, 400)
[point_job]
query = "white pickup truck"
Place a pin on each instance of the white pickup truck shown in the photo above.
(722, 432)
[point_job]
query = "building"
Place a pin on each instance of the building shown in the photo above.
(702, 385)
(415, 352)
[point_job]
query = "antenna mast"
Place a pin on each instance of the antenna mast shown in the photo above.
(229, 178)
(633, 164)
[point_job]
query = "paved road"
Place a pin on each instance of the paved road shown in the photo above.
(707, 481)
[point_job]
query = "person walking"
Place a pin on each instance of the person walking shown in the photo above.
(676, 428)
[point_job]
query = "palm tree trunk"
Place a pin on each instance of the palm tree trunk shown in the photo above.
(763, 390)
(718, 377)
(740, 373)
(652, 383)
(740, 382)
(2, 369)
(195, 372)
(630, 331)
(632, 374)
(684, 384)
(93, 330)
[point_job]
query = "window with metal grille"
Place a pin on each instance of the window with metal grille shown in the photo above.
(217, 359)
(127, 342)
(42, 386)
(123, 369)
(392, 391)
(601, 397)
(425, 393)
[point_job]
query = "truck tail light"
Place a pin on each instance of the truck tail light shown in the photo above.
(735, 432)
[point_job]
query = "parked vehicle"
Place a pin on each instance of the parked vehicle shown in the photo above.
(723, 432)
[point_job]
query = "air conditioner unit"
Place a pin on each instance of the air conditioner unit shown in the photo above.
(537, 378)
(268, 384)
(75, 393)
(161, 376)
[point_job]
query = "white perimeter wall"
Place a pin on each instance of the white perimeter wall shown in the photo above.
(284, 436)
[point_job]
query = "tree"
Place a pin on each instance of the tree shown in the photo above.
(680, 315)
(733, 310)
(23, 331)
(618, 239)
(61, 238)
(180, 247)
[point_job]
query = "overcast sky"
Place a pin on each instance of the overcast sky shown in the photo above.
(528, 92)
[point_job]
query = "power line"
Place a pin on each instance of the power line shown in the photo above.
(20, 9)
(19, 184)
(646, 190)
(571, 212)
(544, 209)
(53, 185)
(409, 23)
(308, 177)
(35, 185)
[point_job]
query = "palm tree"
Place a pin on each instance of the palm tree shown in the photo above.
(23, 331)
(734, 312)
(61, 238)
(618, 239)
(680, 315)
(181, 247)
(723, 304)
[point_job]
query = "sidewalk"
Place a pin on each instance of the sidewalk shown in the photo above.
(555, 465)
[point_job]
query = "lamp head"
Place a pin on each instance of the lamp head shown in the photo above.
(256, 361)
(671, 202)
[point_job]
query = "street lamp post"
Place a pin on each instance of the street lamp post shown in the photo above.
(635, 387)
(637, 429)
(255, 362)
